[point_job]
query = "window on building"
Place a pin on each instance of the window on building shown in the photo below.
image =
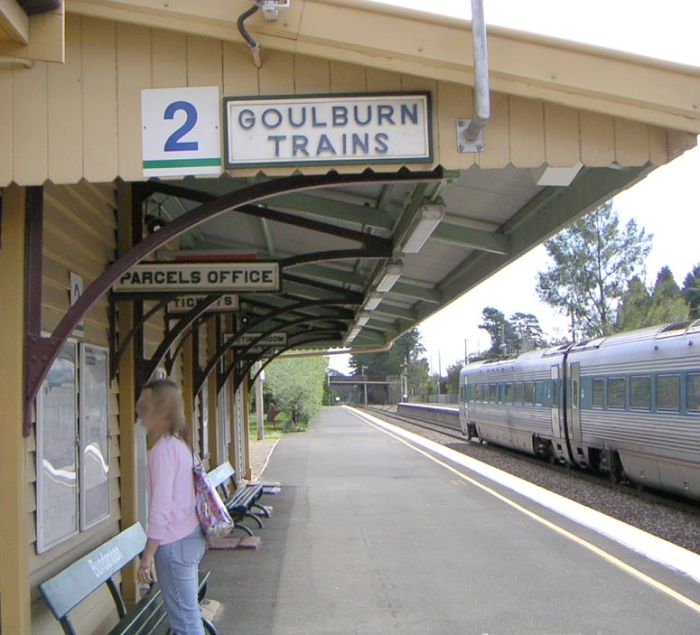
(640, 393)
(616, 392)
(668, 393)
(598, 392)
(529, 393)
(693, 392)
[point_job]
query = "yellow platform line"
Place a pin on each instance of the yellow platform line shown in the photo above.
(615, 561)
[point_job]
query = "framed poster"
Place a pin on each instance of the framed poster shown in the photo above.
(95, 498)
(57, 452)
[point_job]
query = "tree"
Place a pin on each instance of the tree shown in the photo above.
(667, 302)
(634, 307)
(527, 332)
(296, 386)
(500, 330)
(591, 262)
(691, 292)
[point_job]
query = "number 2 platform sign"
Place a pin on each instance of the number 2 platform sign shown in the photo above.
(180, 131)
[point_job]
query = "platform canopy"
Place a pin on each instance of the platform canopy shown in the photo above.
(363, 260)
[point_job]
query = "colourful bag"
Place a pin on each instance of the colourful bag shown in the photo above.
(213, 515)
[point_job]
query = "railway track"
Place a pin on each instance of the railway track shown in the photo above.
(485, 448)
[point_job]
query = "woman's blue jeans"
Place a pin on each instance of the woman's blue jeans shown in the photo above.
(177, 566)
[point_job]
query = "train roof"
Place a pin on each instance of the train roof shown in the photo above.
(662, 331)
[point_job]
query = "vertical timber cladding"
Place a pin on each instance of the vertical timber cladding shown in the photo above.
(80, 237)
(81, 119)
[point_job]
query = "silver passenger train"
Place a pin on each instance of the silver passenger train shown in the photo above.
(627, 404)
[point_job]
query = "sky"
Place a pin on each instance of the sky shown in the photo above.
(666, 203)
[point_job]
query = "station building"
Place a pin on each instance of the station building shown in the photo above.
(315, 192)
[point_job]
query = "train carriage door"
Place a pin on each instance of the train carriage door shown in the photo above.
(574, 401)
(464, 405)
(556, 423)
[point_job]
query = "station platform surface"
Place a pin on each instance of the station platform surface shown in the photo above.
(370, 537)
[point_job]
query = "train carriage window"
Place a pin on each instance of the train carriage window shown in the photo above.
(640, 393)
(510, 393)
(543, 393)
(598, 392)
(616, 392)
(493, 393)
(529, 393)
(519, 392)
(693, 393)
(668, 393)
(551, 393)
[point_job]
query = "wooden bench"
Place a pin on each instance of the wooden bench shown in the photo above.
(71, 586)
(240, 501)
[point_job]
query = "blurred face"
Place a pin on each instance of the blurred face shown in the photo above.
(145, 410)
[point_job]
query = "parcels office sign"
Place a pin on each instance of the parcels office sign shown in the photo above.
(230, 277)
(327, 129)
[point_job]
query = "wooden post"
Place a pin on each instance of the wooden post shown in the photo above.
(15, 611)
(188, 386)
(214, 450)
(245, 391)
(259, 403)
(129, 491)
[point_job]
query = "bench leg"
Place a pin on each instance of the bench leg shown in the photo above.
(262, 509)
(256, 519)
(209, 627)
(245, 528)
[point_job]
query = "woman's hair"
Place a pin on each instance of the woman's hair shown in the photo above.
(167, 399)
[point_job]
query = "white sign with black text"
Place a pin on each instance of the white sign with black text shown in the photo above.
(246, 339)
(371, 128)
(227, 302)
(231, 277)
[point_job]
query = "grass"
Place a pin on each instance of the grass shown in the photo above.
(270, 432)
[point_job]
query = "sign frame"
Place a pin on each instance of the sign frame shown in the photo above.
(228, 165)
(181, 290)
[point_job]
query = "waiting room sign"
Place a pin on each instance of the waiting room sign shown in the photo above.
(327, 129)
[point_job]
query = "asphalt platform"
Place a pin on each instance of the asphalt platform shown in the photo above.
(369, 537)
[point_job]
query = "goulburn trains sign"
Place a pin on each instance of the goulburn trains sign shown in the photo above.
(367, 128)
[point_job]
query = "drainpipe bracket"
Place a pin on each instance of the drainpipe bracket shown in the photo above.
(465, 145)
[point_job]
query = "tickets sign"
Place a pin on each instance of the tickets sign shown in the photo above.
(327, 129)
(227, 302)
(205, 277)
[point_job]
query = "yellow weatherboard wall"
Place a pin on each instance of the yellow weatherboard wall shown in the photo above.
(82, 119)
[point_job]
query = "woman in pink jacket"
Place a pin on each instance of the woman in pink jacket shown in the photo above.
(176, 543)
